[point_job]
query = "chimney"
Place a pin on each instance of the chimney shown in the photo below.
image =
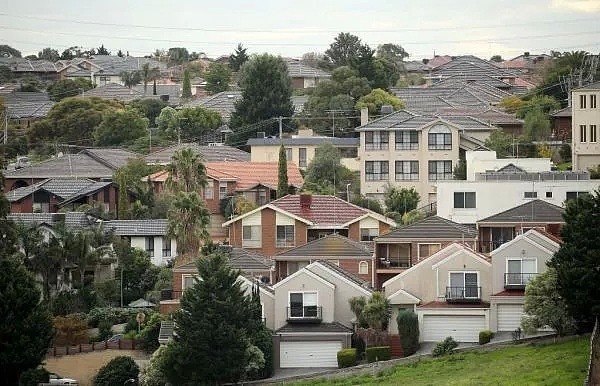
(364, 116)
(387, 109)
(305, 200)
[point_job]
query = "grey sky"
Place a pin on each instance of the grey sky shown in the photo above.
(293, 28)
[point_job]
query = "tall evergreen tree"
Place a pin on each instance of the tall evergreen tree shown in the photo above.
(238, 58)
(123, 207)
(282, 177)
(186, 87)
(8, 234)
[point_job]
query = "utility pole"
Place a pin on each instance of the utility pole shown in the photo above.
(5, 124)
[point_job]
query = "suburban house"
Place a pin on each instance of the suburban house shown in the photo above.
(114, 91)
(304, 76)
(105, 69)
(95, 164)
(561, 124)
(584, 126)
(400, 249)
(43, 70)
(294, 220)
(54, 194)
(449, 291)
(409, 150)
(354, 257)
(23, 108)
(514, 264)
(147, 235)
(301, 149)
(496, 230)
(216, 153)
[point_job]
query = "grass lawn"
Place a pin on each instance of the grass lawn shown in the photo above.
(535, 364)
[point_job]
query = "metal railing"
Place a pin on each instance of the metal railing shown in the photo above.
(304, 314)
(466, 293)
(393, 262)
(517, 280)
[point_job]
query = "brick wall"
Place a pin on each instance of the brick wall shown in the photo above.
(352, 265)
(354, 231)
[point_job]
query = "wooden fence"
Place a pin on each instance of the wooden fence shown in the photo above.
(593, 375)
(124, 344)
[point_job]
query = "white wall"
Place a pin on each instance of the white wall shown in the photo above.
(493, 197)
(482, 161)
(585, 154)
(158, 259)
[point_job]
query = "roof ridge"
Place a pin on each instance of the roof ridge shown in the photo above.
(537, 200)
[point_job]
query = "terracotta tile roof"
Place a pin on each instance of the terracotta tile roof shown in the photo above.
(323, 211)
(435, 304)
(250, 174)
(334, 327)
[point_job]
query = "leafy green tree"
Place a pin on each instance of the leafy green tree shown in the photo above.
(149, 108)
(131, 78)
(139, 274)
(500, 142)
(6, 75)
(536, 126)
(149, 74)
(496, 58)
(374, 312)
(544, 306)
(68, 88)
(120, 127)
(123, 202)
(118, 372)
(412, 217)
(344, 50)
(25, 324)
(565, 65)
(8, 52)
(186, 87)
(193, 122)
(576, 262)
(392, 52)
(408, 329)
(87, 248)
(49, 54)
(377, 98)
(544, 103)
(149, 335)
(325, 174)
(8, 233)
(167, 121)
(50, 264)
(357, 305)
(367, 203)
(178, 55)
(211, 346)
(129, 176)
(217, 78)
(238, 58)
(460, 170)
(512, 104)
(401, 200)
(188, 220)
(282, 177)
(33, 377)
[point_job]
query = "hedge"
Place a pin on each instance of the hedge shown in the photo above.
(444, 347)
(346, 357)
(485, 336)
(378, 353)
(408, 329)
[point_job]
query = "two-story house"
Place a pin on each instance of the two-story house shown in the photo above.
(514, 264)
(410, 150)
(449, 291)
(584, 126)
(293, 220)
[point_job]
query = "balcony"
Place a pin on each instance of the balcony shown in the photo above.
(304, 314)
(517, 280)
(468, 294)
(393, 262)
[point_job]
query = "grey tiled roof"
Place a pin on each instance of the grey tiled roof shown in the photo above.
(469, 64)
(248, 261)
(334, 327)
(61, 187)
(433, 227)
(86, 191)
(113, 157)
(72, 220)
(28, 110)
(331, 246)
(304, 141)
(172, 90)
(114, 91)
(223, 103)
(26, 65)
(114, 65)
(297, 69)
(536, 211)
(342, 272)
(404, 119)
(209, 153)
(566, 112)
(591, 86)
(154, 227)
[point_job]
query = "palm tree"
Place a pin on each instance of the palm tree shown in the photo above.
(87, 249)
(149, 74)
(188, 219)
(50, 264)
(131, 78)
(187, 172)
(378, 311)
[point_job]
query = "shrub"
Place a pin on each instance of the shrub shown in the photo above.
(115, 315)
(445, 347)
(346, 358)
(70, 330)
(485, 336)
(359, 344)
(104, 330)
(378, 353)
(149, 334)
(408, 329)
(117, 372)
(263, 339)
(33, 377)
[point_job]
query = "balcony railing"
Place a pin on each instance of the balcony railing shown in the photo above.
(393, 262)
(305, 314)
(517, 280)
(463, 294)
(488, 246)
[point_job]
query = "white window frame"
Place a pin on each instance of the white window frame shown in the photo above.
(303, 293)
(289, 154)
(252, 242)
(529, 194)
(166, 242)
(373, 232)
(150, 252)
(186, 276)
(222, 193)
(209, 190)
(363, 267)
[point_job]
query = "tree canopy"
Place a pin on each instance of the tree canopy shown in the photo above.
(188, 123)
(7, 52)
(217, 78)
(377, 98)
(49, 54)
(68, 87)
(325, 174)
(120, 128)
(344, 50)
(401, 200)
(238, 58)
(282, 177)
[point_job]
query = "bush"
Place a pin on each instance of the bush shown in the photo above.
(408, 329)
(115, 315)
(33, 377)
(105, 330)
(485, 336)
(70, 330)
(263, 339)
(445, 347)
(359, 344)
(378, 353)
(149, 334)
(117, 372)
(346, 358)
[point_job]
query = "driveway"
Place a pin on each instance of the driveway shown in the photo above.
(285, 373)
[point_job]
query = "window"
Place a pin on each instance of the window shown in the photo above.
(426, 250)
(548, 194)
(530, 195)
(251, 236)
(302, 157)
(303, 305)
(222, 190)
(582, 133)
(440, 170)
(285, 236)
(348, 152)
(295, 266)
(41, 207)
(407, 170)
(463, 285)
(464, 200)
(376, 140)
(520, 271)
(582, 100)
(407, 140)
(368, 234)
(150, 245)
(376, 170)
(593, 101)
(106, 195)
(166, 248)
(209, 190)
(593, 133)
(363, 268)
(440, 138)
(188, 281)
(288, 153)
(574, 195)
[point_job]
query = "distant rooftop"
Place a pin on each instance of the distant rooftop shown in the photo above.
(510, 174)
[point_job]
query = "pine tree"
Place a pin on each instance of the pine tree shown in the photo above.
(238, 58)
(186, 92)
(282, 179)
(122, 213)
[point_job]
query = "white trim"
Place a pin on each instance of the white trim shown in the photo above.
(455, 254)
(186, 275)
(360, 264)
(374, 215)
(528, 240)
(345, 280)
(521, 260)
(309, 273)
(289, 306)
(259, 287)
(270, 206)
(405, 293)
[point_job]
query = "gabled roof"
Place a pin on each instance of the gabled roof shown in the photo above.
(222, 102)
(154, 227)
(539, 239)
(297, 69)
(330, 246)
(434, 228)
(354, 280)
(408, 120)
(511, 168)
(114, 91)
(535, 211)
(221, 153)
(250, 174)
(299, 141)
(61, 187)
(113, 157)
(249, 261)
(565, 112)
(72, 220)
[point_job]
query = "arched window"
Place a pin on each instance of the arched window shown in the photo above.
(363, 268)
(440, 138)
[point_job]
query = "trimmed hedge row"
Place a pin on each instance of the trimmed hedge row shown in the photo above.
(485, 336)
(346, 358)
(378, 353)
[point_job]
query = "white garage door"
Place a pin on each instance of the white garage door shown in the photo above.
(509, 316)
(308, 354)
(463, 328)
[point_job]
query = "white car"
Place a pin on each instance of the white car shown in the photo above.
(56, 379)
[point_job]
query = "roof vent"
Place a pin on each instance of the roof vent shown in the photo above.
(305, 201)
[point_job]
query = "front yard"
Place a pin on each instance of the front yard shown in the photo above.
(535, 364)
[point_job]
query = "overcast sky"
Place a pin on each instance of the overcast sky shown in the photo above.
(291, 28)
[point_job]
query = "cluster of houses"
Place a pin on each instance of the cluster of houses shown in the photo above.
(462, 269)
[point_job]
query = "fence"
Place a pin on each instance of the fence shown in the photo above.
(124, 344)
(593, 376)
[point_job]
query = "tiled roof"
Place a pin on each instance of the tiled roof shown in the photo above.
(26, 65)
(435, 304)
(249, 261)
(404, 119)
(86, 191)
(113, 157)
(510, 293)
(115, 65)
(566, 112)
(469, 64)
(250, 174)
(297, 69)
(334, 327)
(223, 103)
(61, 187)
(209, 153)
(433, 227)
(298, 141)
(330, 246)
(28, 110)
(72, 220)
(323, 211)
(537, 211)
(342, 272)
(114, 91)
(591, 86)
(154, 227)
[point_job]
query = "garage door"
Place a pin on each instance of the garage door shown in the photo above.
(509, 316)
(309, 354)
(463, 328)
